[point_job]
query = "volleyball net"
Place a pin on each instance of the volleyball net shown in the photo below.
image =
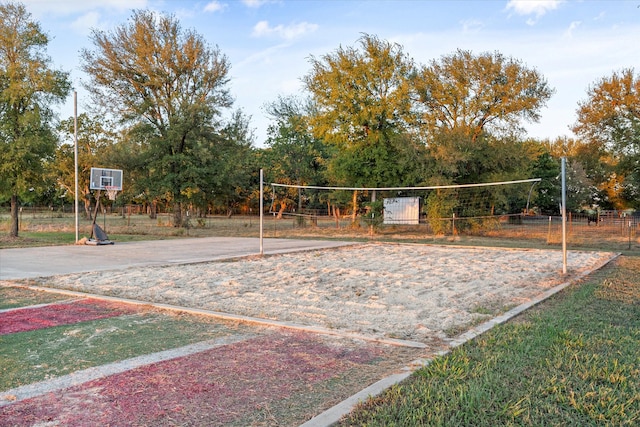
(444, 209)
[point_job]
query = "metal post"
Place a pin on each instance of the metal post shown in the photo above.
(261, 211)
(75, 160)
(564, 216)
(453, 224)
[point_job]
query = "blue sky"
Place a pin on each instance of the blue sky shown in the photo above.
(269, 43)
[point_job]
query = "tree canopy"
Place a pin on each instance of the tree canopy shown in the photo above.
(29, 86)
(371, 117)
(171, 84)
(472, 93)
(359, 92)
(361, 106)
(610, 118)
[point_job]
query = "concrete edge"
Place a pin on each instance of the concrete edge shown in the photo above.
(196, 261)
(333, 415)
(484, 327)
(28, 391)
(235, 317)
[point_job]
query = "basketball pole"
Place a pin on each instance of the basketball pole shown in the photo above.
(261, 210)
(75, 159)
(564, 215)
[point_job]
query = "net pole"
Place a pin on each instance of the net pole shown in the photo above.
(261, 211)
(75, 161)
(564, 215)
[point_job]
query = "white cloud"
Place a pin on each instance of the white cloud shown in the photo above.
(67, 7)
(289, 32)
(471, 25)
(83, 24)
(215, 6)
(263, 57)
(572, 27)
(533, 7)
(254, 4)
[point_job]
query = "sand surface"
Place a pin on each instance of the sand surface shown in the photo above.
(402, 291)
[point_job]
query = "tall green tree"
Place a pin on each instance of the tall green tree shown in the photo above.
(29, 86)
(361, 97)
(610, 118)
(169, 83)
(472, 94)
(95, 137)
(293, 154)
(590, 173)
(470, 110)
(228, 165)
(547, 193)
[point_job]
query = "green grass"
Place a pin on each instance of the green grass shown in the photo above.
(27, 239)
(27, 357)
(42, 229)
(12, 297)
(573, 360)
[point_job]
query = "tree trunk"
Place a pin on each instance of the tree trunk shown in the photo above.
(283, 206)
(13, 229)
(153, 210)
(87, 208)
(177, 214)
(355, 207)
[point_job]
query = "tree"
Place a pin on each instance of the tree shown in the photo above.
(28, 86)
(469, 109)
(610, 118)
(469, 94)
(362, 104)
(293, 154)
(590, 173)
(170, 84)
(227, 165)
(94, 139)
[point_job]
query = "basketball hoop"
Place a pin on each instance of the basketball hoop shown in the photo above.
(112, 191)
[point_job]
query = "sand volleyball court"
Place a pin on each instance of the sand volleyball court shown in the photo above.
(402, 291)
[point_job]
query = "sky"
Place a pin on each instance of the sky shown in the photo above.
(269, 43)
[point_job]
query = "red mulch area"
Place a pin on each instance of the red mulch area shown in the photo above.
(212, 388)
(29, 319)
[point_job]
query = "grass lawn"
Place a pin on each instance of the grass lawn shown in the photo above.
(43, 229)
(37, 355)
(573, 360)
(12, 297)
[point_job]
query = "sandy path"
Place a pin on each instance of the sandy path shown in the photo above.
(412, 292)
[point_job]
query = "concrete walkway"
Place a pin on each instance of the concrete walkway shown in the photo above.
(26, 263)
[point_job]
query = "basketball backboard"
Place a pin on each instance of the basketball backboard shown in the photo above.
(104, 179)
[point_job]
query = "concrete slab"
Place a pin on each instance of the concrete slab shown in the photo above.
(25, 263)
